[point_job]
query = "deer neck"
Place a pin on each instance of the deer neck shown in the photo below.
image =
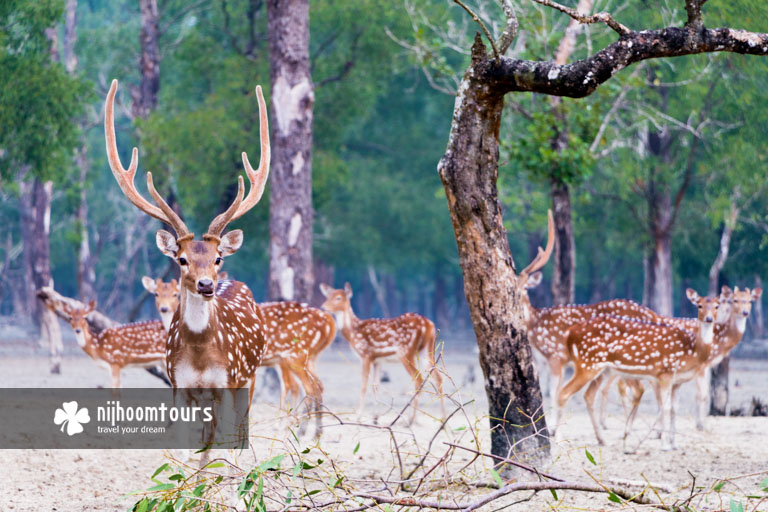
(733, 331)
(704, 339)
(530, 314)
(196, 313)
(166, 319)
(347, 321)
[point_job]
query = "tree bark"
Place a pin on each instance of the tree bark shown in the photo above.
(758, 325)
(658, 279)
(290, 204)
(469, 170)
(718, 405)
(729, 224)
(144, 97)
(563, 276)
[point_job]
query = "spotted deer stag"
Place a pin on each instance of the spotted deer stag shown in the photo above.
(404, 337)
(295, 336)
(216, 338)
(548, 327)
(662, 353)
(140, 344)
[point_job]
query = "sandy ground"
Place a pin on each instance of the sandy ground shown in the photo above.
(64, 480)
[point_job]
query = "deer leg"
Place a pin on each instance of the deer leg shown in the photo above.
(667, 432)
(580, 378)
(702, 398)
(555, 379)
(376, 380)
(589, 398)
(434, 372)
(410, 365)
(363, 386)
(606, 390)
(637, 397)
(313, 389)
(115, 373)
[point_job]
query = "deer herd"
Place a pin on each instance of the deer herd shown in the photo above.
(213, 334)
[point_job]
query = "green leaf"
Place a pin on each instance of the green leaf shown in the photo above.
(496, 477)
(142, 505)
(459, 429)
(305, 451)
(554, 493)
(164, 467)
(764, 485)
(357, 447)
(162, 487)
(612, 497)
(215, 465)
(590, 458)
(719, 485)
(312, 492)
(337, 482)
(198, 490)
(176, 477)
(271, 464)
(736, 506)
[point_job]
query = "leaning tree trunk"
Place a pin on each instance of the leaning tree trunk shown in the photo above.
(469, 171)
(729, 224)
(290, 202)
(718, 404)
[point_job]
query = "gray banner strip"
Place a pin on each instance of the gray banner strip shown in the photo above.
(153, 418)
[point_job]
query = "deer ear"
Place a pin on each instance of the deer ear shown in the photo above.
(175, 284)
(166, 242)
(91, 306)
(149, 284)
(223, 276)
(692, 295)
(348, 290)
(231, 242)
(756, 293)
(726, 291)
(533, 280)
(325, 289)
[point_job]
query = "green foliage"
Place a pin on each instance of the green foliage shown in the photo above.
(39, 102)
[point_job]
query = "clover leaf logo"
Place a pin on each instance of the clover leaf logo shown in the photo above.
(69, 416)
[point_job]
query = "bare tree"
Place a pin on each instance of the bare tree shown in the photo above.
(290, 202)
(469, 171)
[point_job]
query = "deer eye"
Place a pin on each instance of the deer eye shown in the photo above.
(218, 261)
(183, 261)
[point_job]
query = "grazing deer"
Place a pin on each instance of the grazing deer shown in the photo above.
(166, 297)
(664, 354)
(139, 344)
(405, 337)
(728, 331)
(216, 338)
(295, 336)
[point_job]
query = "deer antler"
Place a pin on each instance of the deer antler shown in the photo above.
(258, 178)
(125, 178)
(543, 256)
(220, 222)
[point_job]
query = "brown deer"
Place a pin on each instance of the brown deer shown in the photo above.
(166, 297)
(295, 336)
(664, 354)
(216, 338)
(405, 337)
(139, 344)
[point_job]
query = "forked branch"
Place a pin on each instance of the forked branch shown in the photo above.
(601, 17)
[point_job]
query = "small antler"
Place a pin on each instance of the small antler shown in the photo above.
(258, 178)
(543, 255)
(220, 222)
(125, 178)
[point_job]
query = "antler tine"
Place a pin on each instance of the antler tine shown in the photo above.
(173, 218)
(258, 178)
(543, 256)
(125, 178)
(220, 222)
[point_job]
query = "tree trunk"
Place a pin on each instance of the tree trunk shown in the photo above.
(378, 289)
(439, 304)
(758, 325)
(469, 171)
(144, 97)
(729, 224)
(659, 275)
(563, 282)
(35, 215)
(718, 404)
(86, 277)
(290, 203)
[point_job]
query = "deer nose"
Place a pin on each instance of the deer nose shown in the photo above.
(78, 331)
(708, 319)
(745, 313)
(163, 309)
(205, 286)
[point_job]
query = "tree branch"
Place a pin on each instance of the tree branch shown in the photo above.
(581, 78)
(601, 17)
(477, 20)
(510, 30)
